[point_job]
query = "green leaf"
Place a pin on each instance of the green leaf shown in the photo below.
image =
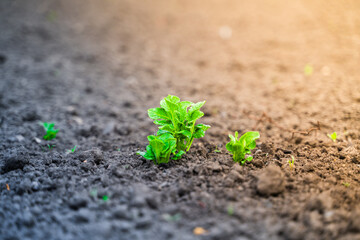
(248, 139)
(167, 127)
(199, 133)
(148, 154)
(195, 116)
(196, 107)
(172, 98)
(204, 127)
(158, 113)
(151, 137)
(162, 122)
(185, 133)
(229, 147)
(161, 132)
(178, 155)
(183, 106)
(233, 139)
(157, 147)
(169, 103)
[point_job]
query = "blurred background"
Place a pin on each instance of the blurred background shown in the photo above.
(286, 58)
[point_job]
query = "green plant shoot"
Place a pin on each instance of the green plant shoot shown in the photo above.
(160, 148)
(291, 162)
(333, 136)
(179, 119)
(50, 131)
(308, 70)
(217, 150)
(72, 150)
(239, 147)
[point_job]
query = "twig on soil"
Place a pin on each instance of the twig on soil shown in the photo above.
(265, 118)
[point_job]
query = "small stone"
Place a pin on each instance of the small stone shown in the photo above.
(109, 128)
(215, 167)
(82, 216)
(28, 219)
(258, 163)
(35, 186)
(313, 220)
(308, 168)
(271, 181)
(320, 203)
(354, 223)
(143, 223)
(295, 231)
(71, 110)
(19, 138)
(121, 212)
(152, 202)
(235, 176)
(30, 115)
(238, 168)
(311, 178)
(78, 120)
(14, 162)
(78, 202)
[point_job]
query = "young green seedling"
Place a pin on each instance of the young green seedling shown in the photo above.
(179, 119)
(217, 150)
(160, 148)
(308, 70)
(50, 147)
(291, 163)
(50, 131)
(333, 136)
(239, 147)
(72, 150)
(230, 210)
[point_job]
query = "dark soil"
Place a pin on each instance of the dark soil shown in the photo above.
(95, 67)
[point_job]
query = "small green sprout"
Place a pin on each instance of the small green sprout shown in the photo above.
(308, 70)
(72, 150)
(105, 198)
(51, 16)
(93, 193)
(230, 210)
(346, 184)
(217, 150)
(291, 162)
(239, 147)
(50, 147)
(333, 136)
(50, 131)
(171, 218)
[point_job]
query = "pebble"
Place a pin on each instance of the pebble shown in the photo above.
(78, 202)
(235, 176)
(14, 162)
(215, 167)
(271, 181)
(143, 223)
(82, 216)
(35, 186)
(294, 231)
(121, 212)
